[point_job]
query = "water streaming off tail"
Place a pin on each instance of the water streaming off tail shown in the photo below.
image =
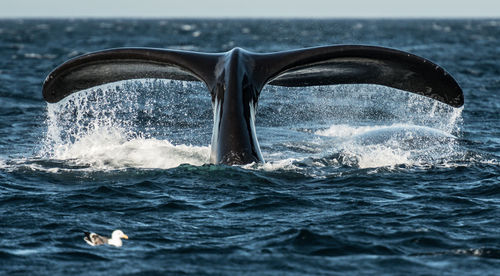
(162, 124)
(359, 126)
(144, 124)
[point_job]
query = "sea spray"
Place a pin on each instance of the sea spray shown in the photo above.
(119, 125)
(366, 125)
(111, 127)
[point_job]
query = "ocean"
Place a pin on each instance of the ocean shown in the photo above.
(358, 179)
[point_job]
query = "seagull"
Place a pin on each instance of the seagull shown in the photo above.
(95, 239)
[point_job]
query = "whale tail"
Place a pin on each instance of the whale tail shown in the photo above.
(235, 79)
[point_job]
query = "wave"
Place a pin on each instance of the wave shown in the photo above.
(307, 242)
(491, 253)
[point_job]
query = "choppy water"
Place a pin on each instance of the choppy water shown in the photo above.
(359, 179)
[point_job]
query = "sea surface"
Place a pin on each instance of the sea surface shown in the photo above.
(358, 179)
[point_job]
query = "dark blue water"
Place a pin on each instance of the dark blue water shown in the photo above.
(359, 179)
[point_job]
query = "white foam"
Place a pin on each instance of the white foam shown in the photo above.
(108, 148)
(285, 164)
(374, 156)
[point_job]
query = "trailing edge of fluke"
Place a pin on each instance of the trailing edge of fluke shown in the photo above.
(235, 79)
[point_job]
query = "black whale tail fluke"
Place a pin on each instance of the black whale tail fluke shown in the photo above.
(113, 65)
(358, 64)
(235, 79)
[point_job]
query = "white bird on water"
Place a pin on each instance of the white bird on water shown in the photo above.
(95, 239)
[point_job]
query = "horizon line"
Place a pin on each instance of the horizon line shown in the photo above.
(27, 17)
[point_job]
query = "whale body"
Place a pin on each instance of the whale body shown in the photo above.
(235, 79)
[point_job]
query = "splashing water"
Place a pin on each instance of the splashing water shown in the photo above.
(380, 146)
(162, 124)
(110, 148)
(368, 126)
(112, 127)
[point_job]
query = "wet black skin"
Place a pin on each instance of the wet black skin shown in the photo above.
(235, 79)
(235, 94)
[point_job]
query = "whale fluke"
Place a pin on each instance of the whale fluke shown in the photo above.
(351, 64)
(112, 65)
(235, 79)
